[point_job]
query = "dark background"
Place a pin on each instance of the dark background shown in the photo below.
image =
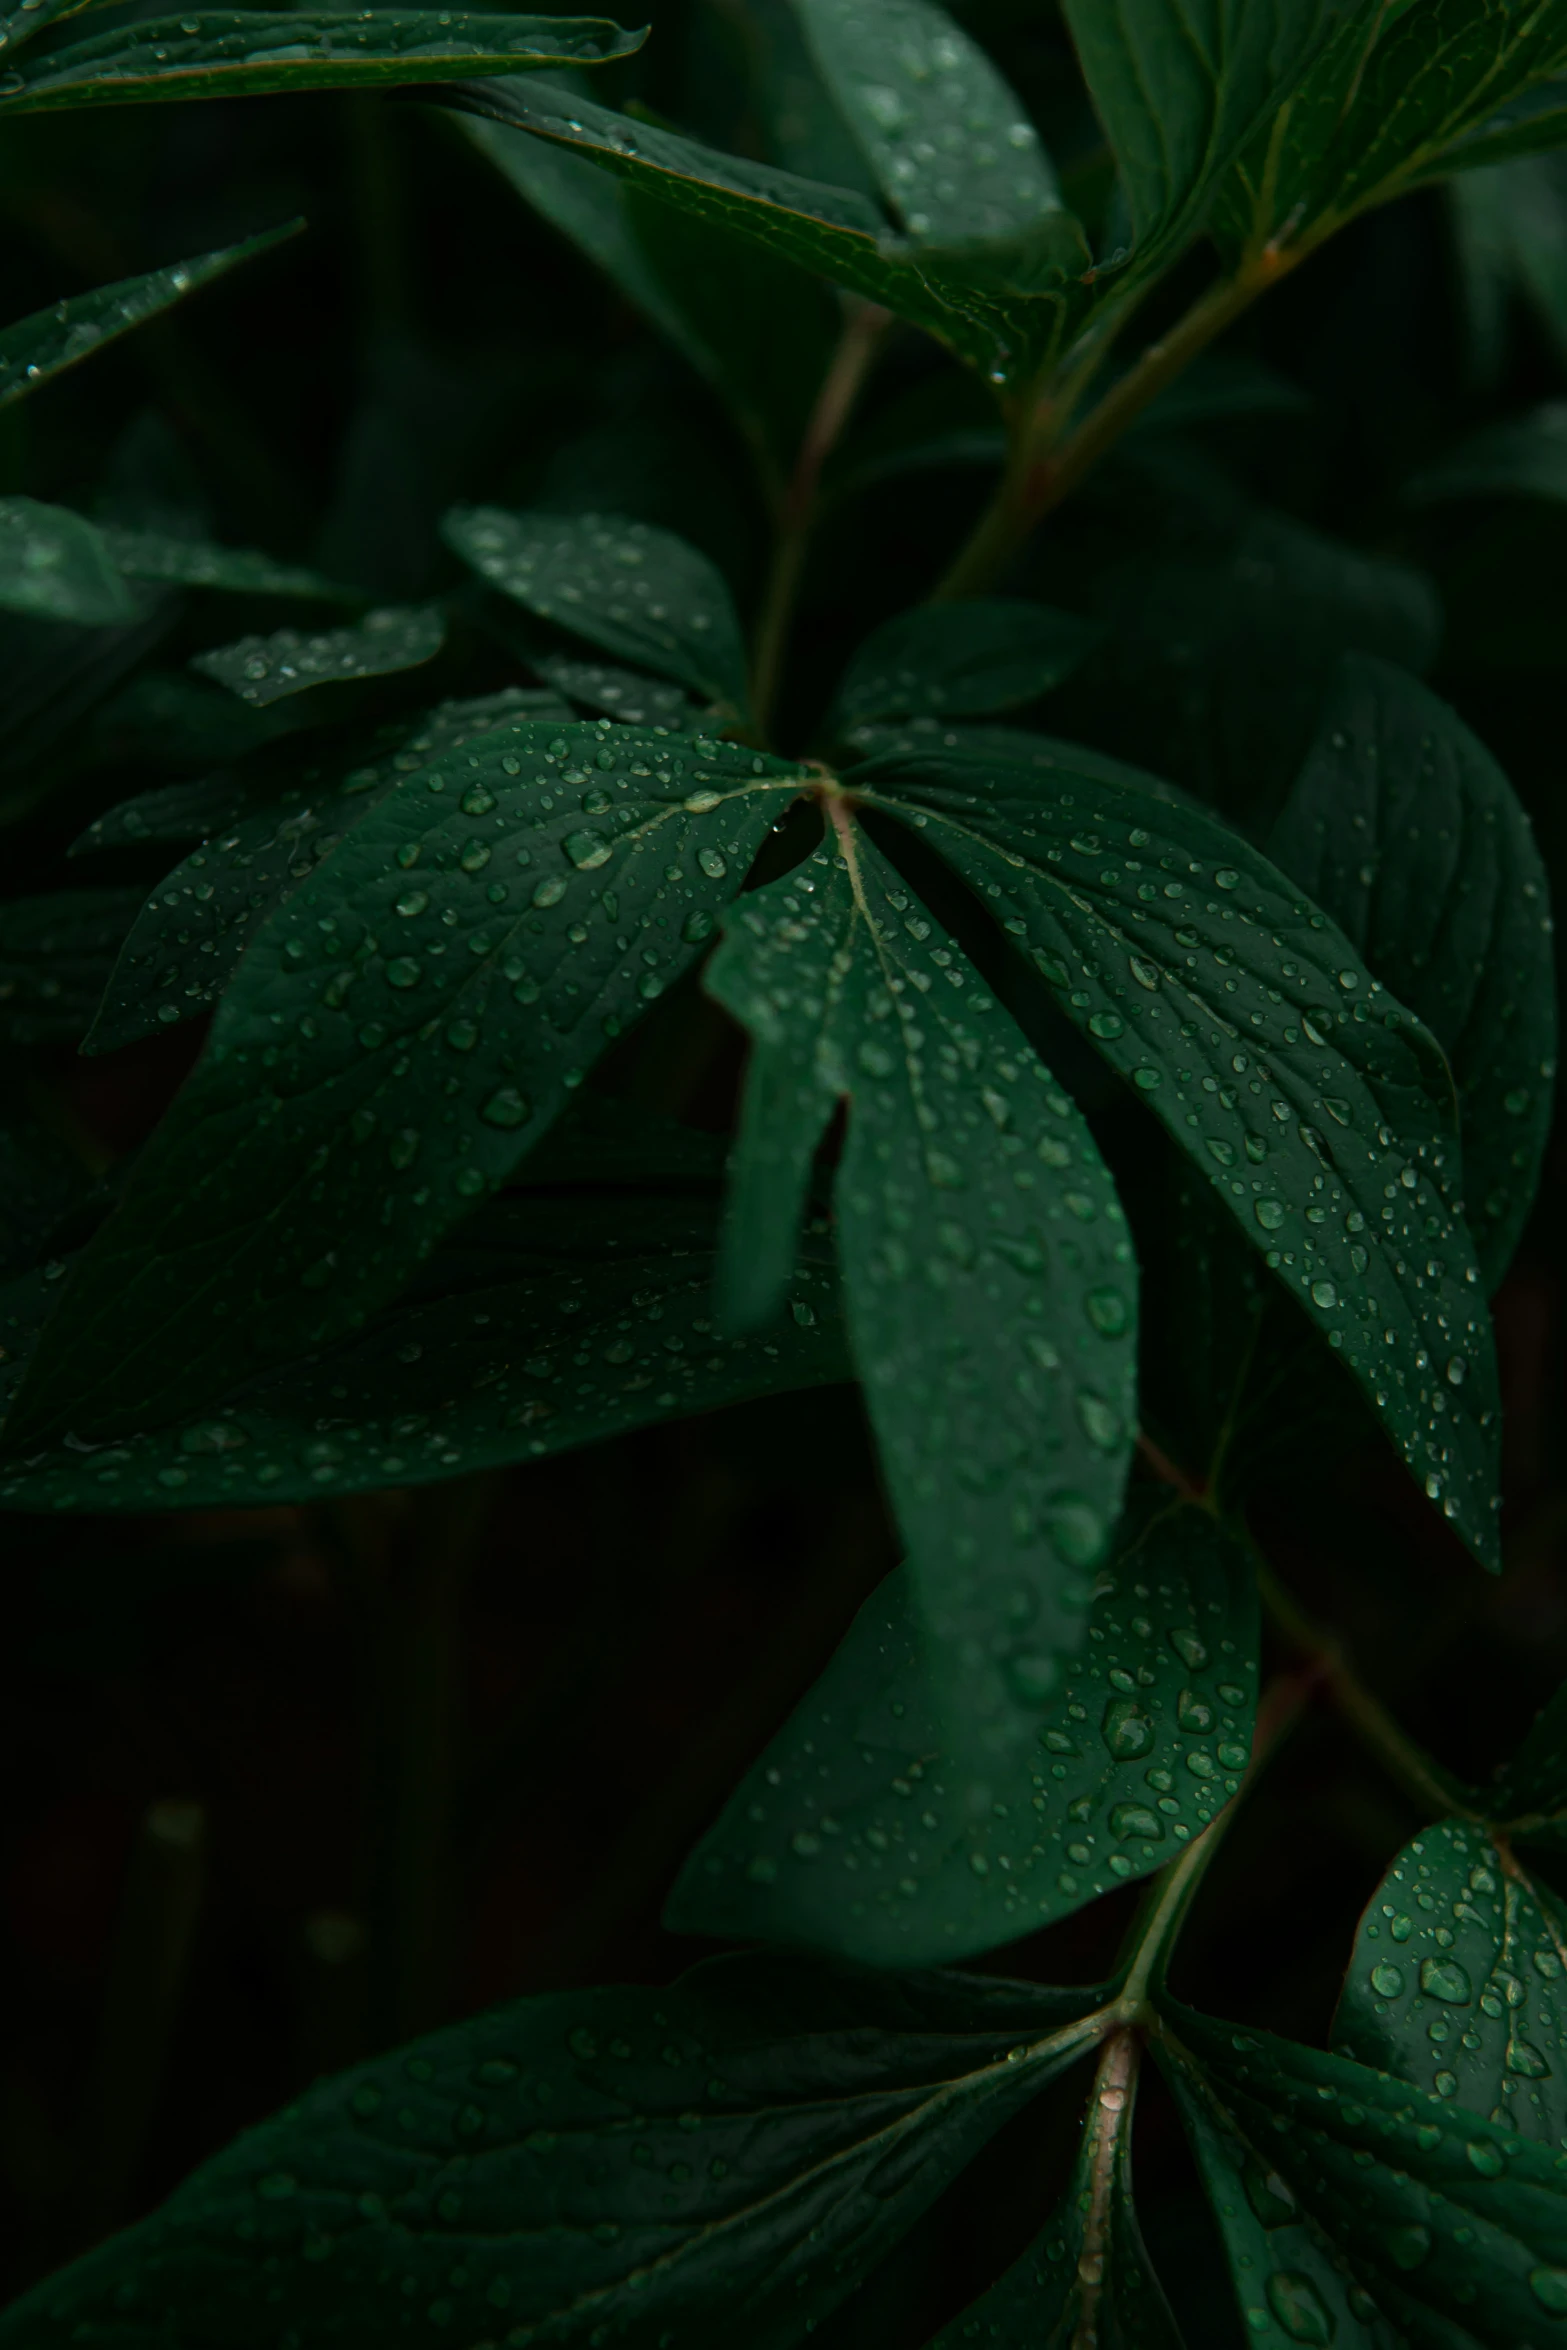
(201, 1837)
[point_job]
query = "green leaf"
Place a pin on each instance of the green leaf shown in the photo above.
(153, 554)
(641, 593)
(1530, 1794)
(1252, 1028)
(380, 1038)
(960, 660)
(1181, 85)
(490, 2178)
(1510, 226)
(952, 150)
(858, 1835)
(56, 953)
(1357, 2211)
(262, 669)
(1525, 457)
(246, 53)
(55, 566)
(258, 843)
(989, 1286)
(1456, 1982)
(1530, 125)
(546, 1324)
(51, 340)
(1087, 2279)
(1405, 829)
(42, 1183)
(1002, 307)
(755, 328)
(623, 694)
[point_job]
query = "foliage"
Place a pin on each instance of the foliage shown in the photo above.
(669, 932)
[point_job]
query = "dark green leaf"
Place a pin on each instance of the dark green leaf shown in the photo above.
(42, 1181)
(1359, 2212)
(1181, 85)
(53, 680)
(261, 837)
(1001, 307)
(246, 53)
(1220, 385)
(262, 669)
(41, 346)
(56, 954)
(1321, 1111)
(641, 593)
(1531, 1791)
(952, 150)
(1523, 458)
(546, 1324)
(372, 1038)
(988, 1282)
(725, 2158)
(960, 660)
(623, 694)
(756, 329)
(55, 566)
(153, 554)
(1530, 125)
(1086, 2283)
(1456, 1982)
(1405, 829)
(857, 1835)
(1511, 230)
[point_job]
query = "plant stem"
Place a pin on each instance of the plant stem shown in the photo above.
(1105, 2128)
(1044, 468)
(1422, 1780)
(1157, 1925)
(863, 328)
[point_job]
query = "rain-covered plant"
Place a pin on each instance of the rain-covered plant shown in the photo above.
(1149, 1025)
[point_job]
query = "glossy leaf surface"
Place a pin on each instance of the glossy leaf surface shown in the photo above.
(545, 1324)
(263, 669)
(795, 2125)
(857, 1833)
(643, 594)
(246, 53)
(988, 1281)
(960, 660)
(1356, 2210)
(55, 566)
(257, 845)
(1319, 1109)
(36, 348)
(1086, 2280)
(952, 150)
(154, 555)
(1458, 1982)
(1403, 827)
(382, 1030)
(1001, 307)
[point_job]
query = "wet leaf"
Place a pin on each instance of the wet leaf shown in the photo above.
(989, 1286)
(795, 2124)
(56, 953)
(1356, 2210)
(951, 148)
(153, 554)
(262, 669)
(1320, 1110)
(858, 1835)
(960, 661)
(403, 1026)
(1458, 1982)
(1403, 827)
(546, 1324)
(261, 836)
(643, 594)
(55, 566)
(51, 340)
(246, 53)
(1086, 2279)
(1003, 306)
(623, 694)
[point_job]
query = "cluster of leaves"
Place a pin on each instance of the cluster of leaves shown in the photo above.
(388, 1231)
